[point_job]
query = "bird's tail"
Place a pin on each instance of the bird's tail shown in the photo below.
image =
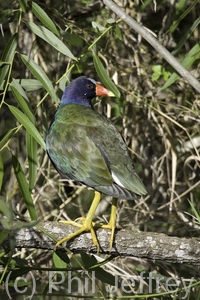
(117, 191)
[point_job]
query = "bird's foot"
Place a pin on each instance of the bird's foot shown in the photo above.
(88, 224)
(109, 226)
(84, 227)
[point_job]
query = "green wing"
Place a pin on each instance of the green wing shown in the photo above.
(115, 151)
(86, 147)
(74, 154)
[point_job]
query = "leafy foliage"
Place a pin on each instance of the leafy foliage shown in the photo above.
(45, 44)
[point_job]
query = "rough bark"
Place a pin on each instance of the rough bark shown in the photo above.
(148, 245)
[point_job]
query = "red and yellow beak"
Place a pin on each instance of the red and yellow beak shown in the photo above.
(102, 91)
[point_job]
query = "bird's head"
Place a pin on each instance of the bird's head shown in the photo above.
(82, 90)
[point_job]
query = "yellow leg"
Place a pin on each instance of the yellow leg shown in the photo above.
(112, 222)
(87, 224)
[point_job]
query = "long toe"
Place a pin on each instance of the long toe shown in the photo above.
(84, 227)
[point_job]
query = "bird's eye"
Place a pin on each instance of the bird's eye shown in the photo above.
(89, 86)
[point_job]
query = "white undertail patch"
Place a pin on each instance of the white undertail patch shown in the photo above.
(117, 180)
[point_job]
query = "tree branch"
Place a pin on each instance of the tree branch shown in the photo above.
(148, 245)
(154, 43)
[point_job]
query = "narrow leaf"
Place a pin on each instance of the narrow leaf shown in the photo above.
(21, 179)
(44, 18)
(98, 26)
(105, 276)
(20, 224)
(40, 75)
(17, 273)
(105, 79)
(18, 86)
(28, 84)
(51, 39)
(4, 139)
(23, 5)
(1, 171)
(63, 256)
(31, 148)
(7, 212)
(58, 262)
(3, 235)
(5, 14)
(24, 120)
(17, 93)
(118, 32)
(194, 211)
(72, 39)
(192, 55)
(186, 36)
(88, 260)
(6, 224)
(7, 56)
(6, 209)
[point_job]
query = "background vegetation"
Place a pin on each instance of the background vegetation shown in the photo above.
(45, 44)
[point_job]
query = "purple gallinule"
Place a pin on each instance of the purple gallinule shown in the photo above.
(85, 146)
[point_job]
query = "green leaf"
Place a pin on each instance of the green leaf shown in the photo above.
(62, 84)
(4, 63)
(21, 283)
(88, 260)
(58, 261)
(182, 16)
(7, 56)
(63, 256)
(6, 224)
(16, 272)
(186, 36)
(40, 75)
(19, 224)
(44, 18)
(31, 148)
(50, 38)
(4, 15)
(118, 32)
(72, 39)
(157, 69)
(23, 5)
(192, 55)
(111, 21)
(21, 179)
(194, 211)
(1, 171)
(5, 137)
(20, 97)
(103, 76)
(24, 120)
(3, 235)
(105, 277)
(7, 212)
(98, 26)
(15, 83)
(28, 84)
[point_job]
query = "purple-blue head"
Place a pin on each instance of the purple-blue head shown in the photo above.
(82, 90)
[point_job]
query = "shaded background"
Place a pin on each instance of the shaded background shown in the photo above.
(162, 129)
